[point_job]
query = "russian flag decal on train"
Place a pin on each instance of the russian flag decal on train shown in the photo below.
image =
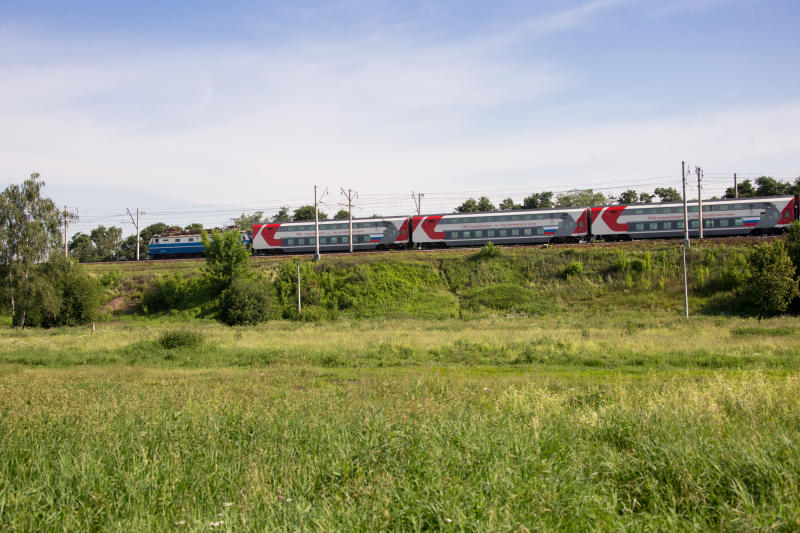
(750, 221)
(376, 238)
(550, 230)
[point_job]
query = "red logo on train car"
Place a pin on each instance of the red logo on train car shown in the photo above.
(581, 225)
(268, 232)
(402, 235)
(429, 227)
(787, 215)
(611, 217)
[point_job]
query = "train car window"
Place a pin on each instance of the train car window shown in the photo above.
(514, 232)
(679, 225)
(667, 225)
(706, 208)
(345, 239)
(738, 222)
(539, 231)
(490, 233)
(177, 240)
(190, 239)
(694, 224)
(516, 217)
(638, 227)
(478, 234)
(503, 233)
(709, 223)
(452, 235)
(312, 240)
(334, 240)
(693, 209)
(527, 217)
(724, 223)
(290, 242)
(653, 225)
(156, 240)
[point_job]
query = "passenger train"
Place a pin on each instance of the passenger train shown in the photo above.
(742, 216)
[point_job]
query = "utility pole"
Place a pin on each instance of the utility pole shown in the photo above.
(735, 187)
(699, 172)
(417, 201)
(136, 224)
(299, 305)
(66, 224)
(685, 209)
(685, 242)
(350, 198)
(316, 222)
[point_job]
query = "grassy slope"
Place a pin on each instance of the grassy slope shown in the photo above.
(526, 281)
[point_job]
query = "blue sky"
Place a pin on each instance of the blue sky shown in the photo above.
(195, 110)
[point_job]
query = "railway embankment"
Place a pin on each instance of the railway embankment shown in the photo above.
(466, 283)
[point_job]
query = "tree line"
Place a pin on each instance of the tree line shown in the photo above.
(107, 244)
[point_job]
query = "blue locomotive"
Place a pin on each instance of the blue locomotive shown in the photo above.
(178, 244)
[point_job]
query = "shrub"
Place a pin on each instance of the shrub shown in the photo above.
(246, 301)
(63, 294)
(620, 263)
(793, 244)
(173, 340)
(641, 265)
(166, 293)
(488, 251)
(574, 268)
(771, 286)
(735, 274)
(111, 280)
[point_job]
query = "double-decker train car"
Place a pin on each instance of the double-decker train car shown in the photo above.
(741, 216)
(181, 244)
(505, 227)
(334, 236)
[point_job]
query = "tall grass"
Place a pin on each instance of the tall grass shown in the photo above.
(406, 450)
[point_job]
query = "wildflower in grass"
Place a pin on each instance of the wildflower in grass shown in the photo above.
(227, 504)
(448, 520)
(180, 523)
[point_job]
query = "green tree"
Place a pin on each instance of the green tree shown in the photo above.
(81, 248)
(194, 226)
(539, 200)
(106, 241)
(645, 198)
(30, 229)
(668, 194)
(485, 205)
(628, 197)
(305, 213)
(282, 215)
(471, 206)
(746, 190)
(343, 214)
(226, 258)
(771, 285)
(246, 222)
(509, 205)
(769, 186)
(584, 198)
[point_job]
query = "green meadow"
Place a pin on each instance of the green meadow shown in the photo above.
(419, 392)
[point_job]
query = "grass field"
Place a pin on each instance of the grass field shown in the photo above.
(573, 421)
